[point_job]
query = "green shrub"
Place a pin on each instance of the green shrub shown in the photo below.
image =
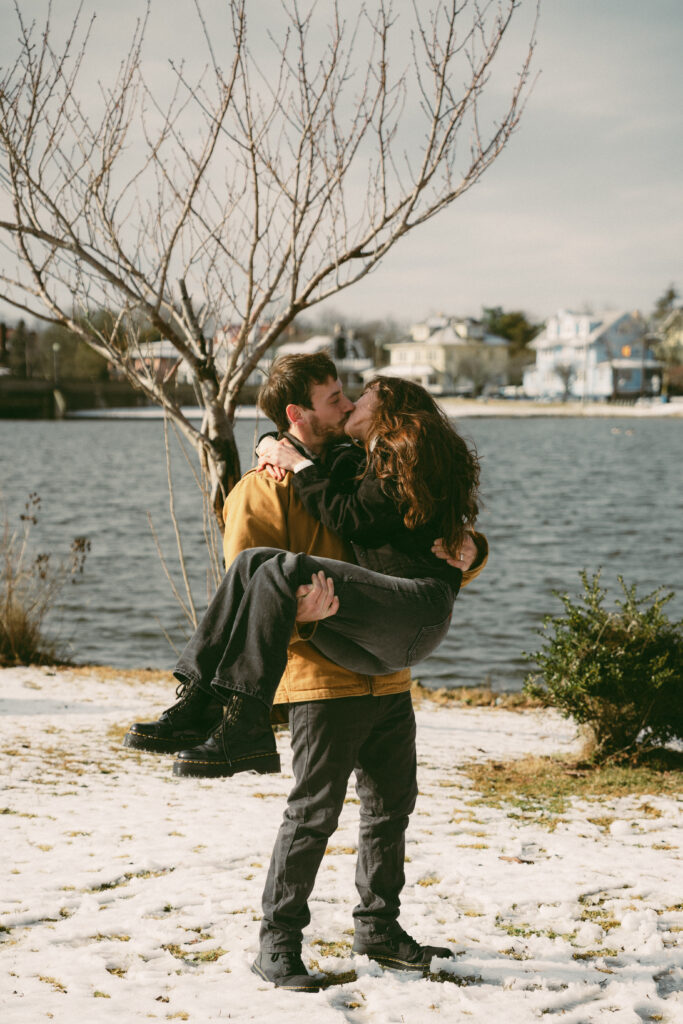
(618, 672)
(30, 584)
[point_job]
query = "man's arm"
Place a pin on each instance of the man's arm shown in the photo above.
(255, 515)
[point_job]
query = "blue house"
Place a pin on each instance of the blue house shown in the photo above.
(581, 355)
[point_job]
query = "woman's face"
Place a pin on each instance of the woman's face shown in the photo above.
(359, 423)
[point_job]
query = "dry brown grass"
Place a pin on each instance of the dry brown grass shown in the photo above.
(130, 676)
(548, 782)
(473, 697)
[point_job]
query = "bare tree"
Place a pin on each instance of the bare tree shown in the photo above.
(566, 373)
(477, 370)
(250, 195)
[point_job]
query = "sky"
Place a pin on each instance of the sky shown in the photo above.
(584, 208)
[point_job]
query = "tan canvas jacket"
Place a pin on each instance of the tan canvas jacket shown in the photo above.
(262, 512)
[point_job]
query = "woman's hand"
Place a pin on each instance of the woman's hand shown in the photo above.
(460, 559)
(277, 457)
(316, 600)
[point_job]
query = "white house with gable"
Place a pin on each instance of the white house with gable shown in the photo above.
(346, 351)
(583, 355)
(447, 355)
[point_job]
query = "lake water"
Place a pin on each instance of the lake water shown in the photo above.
(560, 495)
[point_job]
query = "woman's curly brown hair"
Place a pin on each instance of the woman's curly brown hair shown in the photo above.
(423, 463)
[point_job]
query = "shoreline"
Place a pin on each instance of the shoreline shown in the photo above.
(462, 408)
(500, 407)
(457, 696)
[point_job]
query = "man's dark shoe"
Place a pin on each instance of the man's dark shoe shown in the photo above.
(285, 970)
(243, 742)
(400, 952)
(186, 723)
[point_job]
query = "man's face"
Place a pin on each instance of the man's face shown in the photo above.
(324, 421)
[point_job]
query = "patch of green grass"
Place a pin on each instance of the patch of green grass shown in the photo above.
(334, 948)
(206, 956)
(523, 931)
(545, 784)
(334, 977)
(56, 985)
(594, 954)
(125, 878)
(593, 910)
(514, 954)
(462, 980)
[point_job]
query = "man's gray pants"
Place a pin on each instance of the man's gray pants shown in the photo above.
(375, 737)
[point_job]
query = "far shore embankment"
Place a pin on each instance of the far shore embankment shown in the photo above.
(462, 408)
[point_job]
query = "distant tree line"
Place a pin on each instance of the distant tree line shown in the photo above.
(57, 353)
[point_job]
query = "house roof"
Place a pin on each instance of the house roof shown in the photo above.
(406, 370)
(161, 349)
(318, 343)
(604, 322)
(674, 317)
(446, 337)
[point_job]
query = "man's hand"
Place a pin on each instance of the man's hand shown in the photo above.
(316, 600)
(277, 457)
(460, 559)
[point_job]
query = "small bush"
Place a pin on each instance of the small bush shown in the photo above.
(29, 587)
(618, 672)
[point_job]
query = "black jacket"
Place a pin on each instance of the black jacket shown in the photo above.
(362, 513)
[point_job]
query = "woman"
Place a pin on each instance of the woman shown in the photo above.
(413, 479)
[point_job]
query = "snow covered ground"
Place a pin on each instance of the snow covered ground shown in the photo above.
(130, 895)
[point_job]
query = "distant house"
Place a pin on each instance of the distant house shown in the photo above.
(162, 358)
(669, 336)
(158, 358)
(582, 355)
(346, 351)
(448, 355)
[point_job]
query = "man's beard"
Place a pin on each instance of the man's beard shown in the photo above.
(326, 436)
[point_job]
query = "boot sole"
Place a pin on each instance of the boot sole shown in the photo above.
(393, 963)
(155, 745)
(264, 764)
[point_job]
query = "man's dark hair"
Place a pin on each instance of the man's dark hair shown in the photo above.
(289, 383)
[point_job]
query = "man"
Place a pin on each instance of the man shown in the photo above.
(339, 722)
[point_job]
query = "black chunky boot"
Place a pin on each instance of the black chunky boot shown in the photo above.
(285, 970)
(400, 951)
(188, 722)
(243, 742)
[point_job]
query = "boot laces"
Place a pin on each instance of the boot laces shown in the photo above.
(231, 713)
(399, 936)
(290, 960)
(182, 692)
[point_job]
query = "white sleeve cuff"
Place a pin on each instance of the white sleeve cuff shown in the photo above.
(302, 465)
